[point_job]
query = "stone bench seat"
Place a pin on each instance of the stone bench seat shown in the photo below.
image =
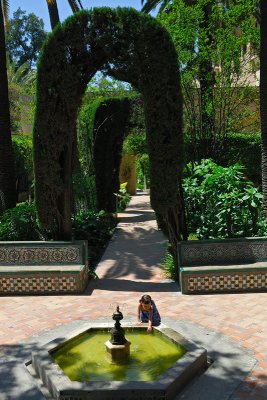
(218, 266)
(43, 267)
(256, 266)
(40, 268)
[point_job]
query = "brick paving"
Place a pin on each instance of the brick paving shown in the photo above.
(129, 267)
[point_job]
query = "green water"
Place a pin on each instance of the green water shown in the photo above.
(86, 358)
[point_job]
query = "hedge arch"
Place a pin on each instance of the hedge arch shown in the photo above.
(132, 47)
(101, 131)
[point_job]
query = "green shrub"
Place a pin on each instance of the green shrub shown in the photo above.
(20, 223)
(102, 127)
(169, 267)
(22, 147)
(123, 198)
(220, 201)
(241, 148)
(97, 228)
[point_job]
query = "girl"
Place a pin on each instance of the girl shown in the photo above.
(148, 312)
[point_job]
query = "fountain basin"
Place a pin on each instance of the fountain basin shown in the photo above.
(166, 386)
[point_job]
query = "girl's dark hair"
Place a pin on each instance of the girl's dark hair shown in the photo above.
(146, 299)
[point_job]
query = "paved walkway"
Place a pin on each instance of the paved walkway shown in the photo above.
(130, 267)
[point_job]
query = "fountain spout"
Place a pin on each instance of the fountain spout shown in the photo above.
(117, 333)
(118, 346)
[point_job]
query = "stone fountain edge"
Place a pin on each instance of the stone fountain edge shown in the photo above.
(166, 386)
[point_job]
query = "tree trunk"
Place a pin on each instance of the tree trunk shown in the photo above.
(53, 12)
(7, 168)
(263, 99)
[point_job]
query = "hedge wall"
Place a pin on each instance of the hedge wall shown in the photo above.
(132, 47)
(102, 128)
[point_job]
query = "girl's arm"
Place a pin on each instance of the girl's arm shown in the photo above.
(138, 313)
(149, 328)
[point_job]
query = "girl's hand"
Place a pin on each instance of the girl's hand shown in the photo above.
(149, 329)
(138, 322)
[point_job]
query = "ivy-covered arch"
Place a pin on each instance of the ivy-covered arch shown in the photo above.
(129, 46)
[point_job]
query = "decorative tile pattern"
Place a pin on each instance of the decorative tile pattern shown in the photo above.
(222, 252)
(225, 282)
(46, 254)
(43, 283)
(27, 267)
(242, 265)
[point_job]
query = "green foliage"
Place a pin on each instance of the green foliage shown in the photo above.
(143, 171)
(102, 127)
(241, 148)
(97, 228)
(24, 37)
(169, 267)
(220, 202)
(100, 87)
(216, 47)
(20, 224)
(123, 197)
(131, 47)
(22, 147)
(84, 191)
(21, 89)
(136, 142)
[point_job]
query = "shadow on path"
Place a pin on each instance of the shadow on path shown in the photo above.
(132, 260)
(124, 285)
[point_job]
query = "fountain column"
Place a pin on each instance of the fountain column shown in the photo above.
(118, 346)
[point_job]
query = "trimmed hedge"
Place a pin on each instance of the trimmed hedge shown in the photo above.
(132, 47)
(102, 128)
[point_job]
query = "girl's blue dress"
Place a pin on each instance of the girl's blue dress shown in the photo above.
(144, 315)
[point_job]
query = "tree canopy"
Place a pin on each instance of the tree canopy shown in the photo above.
(25, 36)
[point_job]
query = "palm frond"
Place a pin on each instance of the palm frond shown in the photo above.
(5, 8)
(150, 5)
(16, 75)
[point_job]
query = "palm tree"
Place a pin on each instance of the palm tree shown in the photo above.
(75, 5)
(263, 98)
(53, 12)
(7, 168)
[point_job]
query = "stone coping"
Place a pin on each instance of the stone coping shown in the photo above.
(245, 250)
(165, 387)
(29, 269)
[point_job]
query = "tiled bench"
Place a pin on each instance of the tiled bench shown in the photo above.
(43, 267)
(219, 266)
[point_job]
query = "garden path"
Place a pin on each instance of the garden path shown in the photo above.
(130, 266)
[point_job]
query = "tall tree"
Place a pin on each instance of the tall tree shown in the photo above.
(7, 169)
(263, 97)
(215, 69)
(24, 37)
(206, 74)
(75, 5)
(53, 12)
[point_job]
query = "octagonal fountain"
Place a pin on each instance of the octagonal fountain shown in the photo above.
(120, 363)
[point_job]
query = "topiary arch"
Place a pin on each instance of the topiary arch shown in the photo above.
(103, 125)
(132, 47)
